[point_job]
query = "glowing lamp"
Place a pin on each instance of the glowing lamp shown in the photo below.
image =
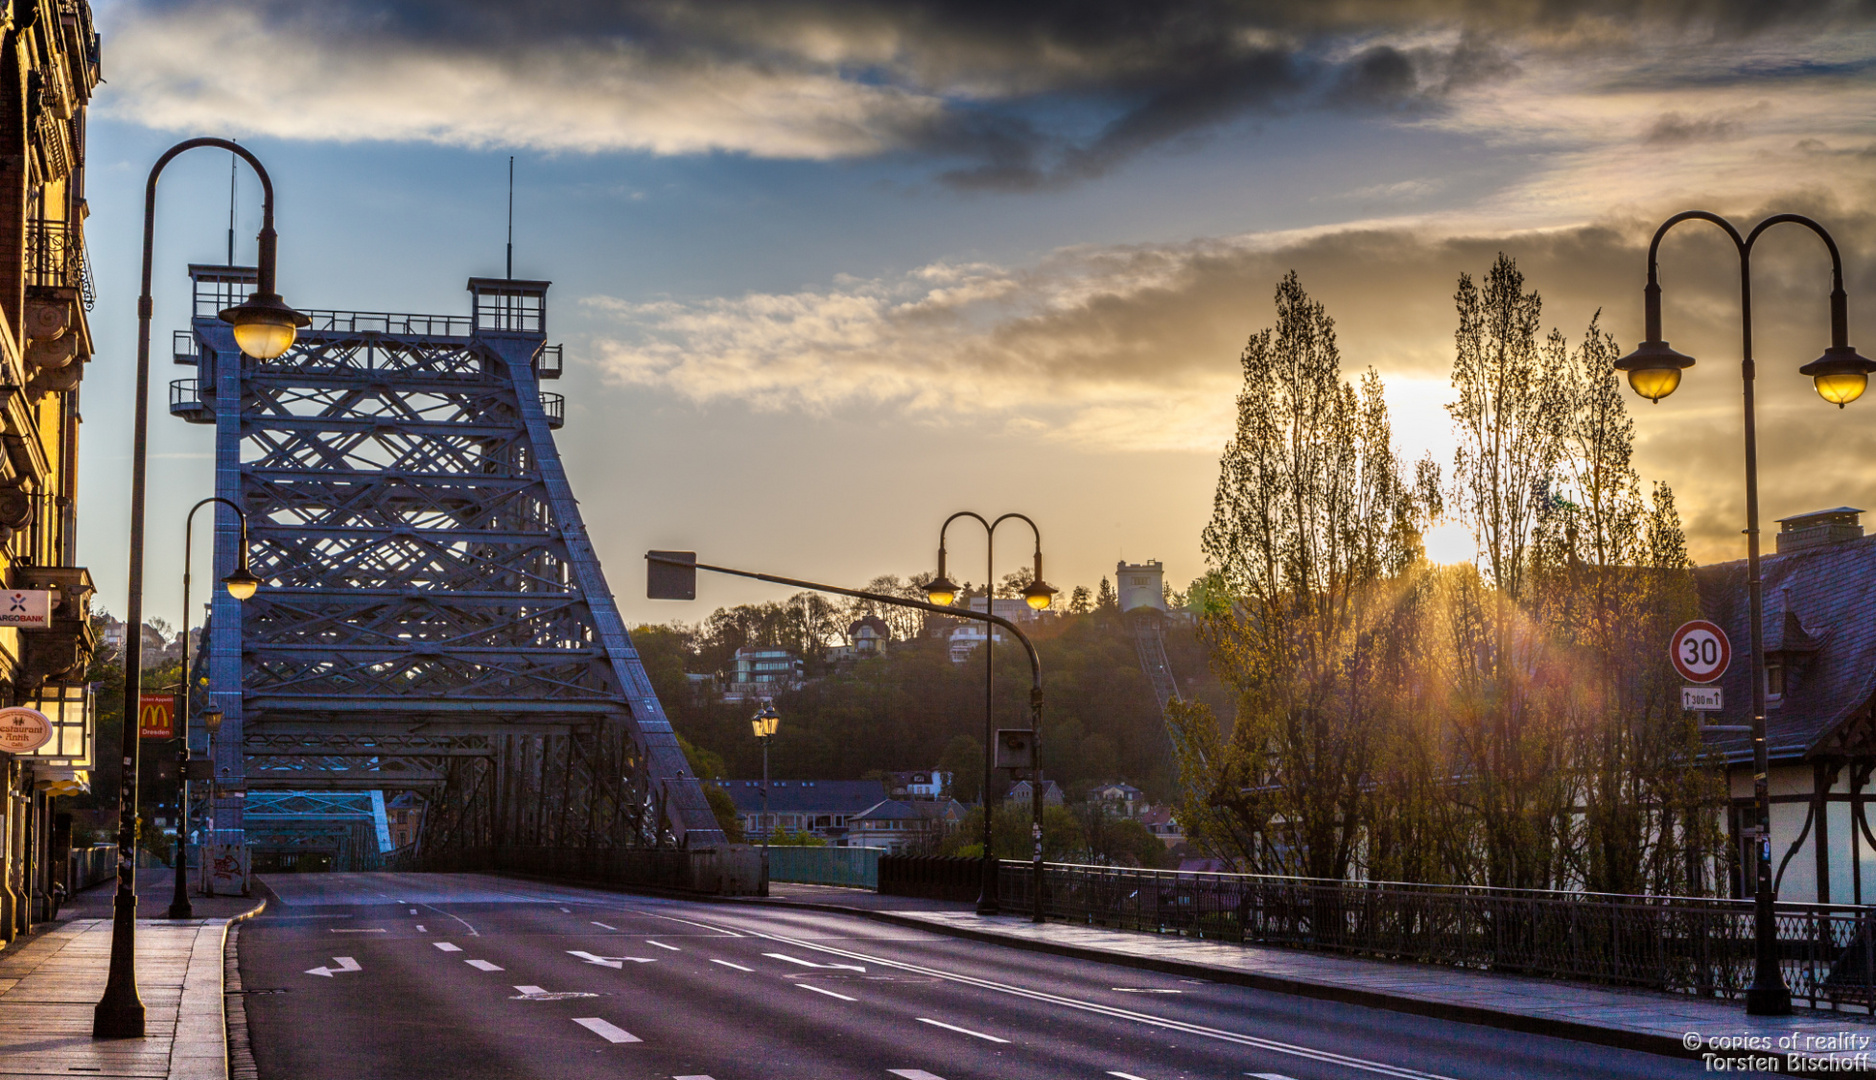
(265, 326)
(1840, 375)
(765, 721)
(211, 719)
(1654, 370)
(1039, 594)
(942, 590)
(241, 584)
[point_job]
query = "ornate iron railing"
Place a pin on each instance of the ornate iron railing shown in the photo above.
(55, 256)
(1680, 944)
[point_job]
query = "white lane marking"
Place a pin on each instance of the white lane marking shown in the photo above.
(413, 911)
(829, 993)
(662, 945)
(603, 926)
(687, 922)
(727, 964)
(1144, 990)
(567, 910)
(531, 990)
(812, 964)
(349, 930)
(1260, 1076)
(345, 963)
(961, 1031)
(611, 961)
(1307, 1053)
(447, 915)
(421, 930)
(695, 1076)
(446, 946)
(481, 965)
(604, 1030)
(1130, 1076)
(914, 1074)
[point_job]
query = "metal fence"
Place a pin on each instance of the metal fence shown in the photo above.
(1679, 944)
(854, 867)
(731, 870)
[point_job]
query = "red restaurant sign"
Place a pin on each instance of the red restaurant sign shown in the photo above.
(156, 716)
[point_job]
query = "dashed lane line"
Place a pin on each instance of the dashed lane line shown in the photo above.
(1124, 1076)
(608, 1032)
(727, 964)
(829, 993)
(960, 1030)
(421, 929)
(662, 945)
(603, 926)
(914, 1074)
(694, 1076)
(1265, 1076)
(482, 965)
(1326, 1057)
(413, 911)
(446, 946)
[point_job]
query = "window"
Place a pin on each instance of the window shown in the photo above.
(1774, 681)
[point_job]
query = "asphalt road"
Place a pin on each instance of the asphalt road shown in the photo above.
(457, 977)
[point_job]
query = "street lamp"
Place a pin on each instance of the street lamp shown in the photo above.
(1840, 375)
(241, 585)
(119, 1013)
(1037, 595)
(764, 724)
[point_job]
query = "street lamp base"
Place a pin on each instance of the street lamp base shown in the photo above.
(1773, 1000)
(181, 911)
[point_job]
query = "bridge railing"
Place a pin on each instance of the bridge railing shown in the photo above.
(731, 870)
(391, 322)
(1680, 944)
(850, 866)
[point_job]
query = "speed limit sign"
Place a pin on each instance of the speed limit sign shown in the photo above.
(1700, 651)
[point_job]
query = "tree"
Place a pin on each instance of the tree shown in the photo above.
(1105, 599)
(1080, 601)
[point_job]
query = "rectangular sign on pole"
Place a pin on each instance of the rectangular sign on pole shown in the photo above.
(1701, 698)
(26, 608)
(156, 716)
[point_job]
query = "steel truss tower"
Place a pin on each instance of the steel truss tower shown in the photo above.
(434, 618)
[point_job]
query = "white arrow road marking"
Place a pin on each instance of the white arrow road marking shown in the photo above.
(446, 946)
(662, 945)
(961, 1031)
(345, 963)
(606, 1031)
(914, 1074)
(829, 993)
(812, 964)
(611, 961)
(727, 964)
(481, 965)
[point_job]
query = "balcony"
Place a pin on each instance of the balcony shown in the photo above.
(554, 405)
(185, 400)
(183, 345)
(55, 260)
(547, 362)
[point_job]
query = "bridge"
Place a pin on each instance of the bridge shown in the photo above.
(434, 619)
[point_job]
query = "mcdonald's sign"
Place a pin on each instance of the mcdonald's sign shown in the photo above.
(156, 716)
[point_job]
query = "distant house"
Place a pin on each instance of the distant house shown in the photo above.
(918, 785)
(897, 825)
(966, 634)
(1019, 793)
(870, 635)
(762, 672)
(820, 807)
(1120, 799)
(1160, 822)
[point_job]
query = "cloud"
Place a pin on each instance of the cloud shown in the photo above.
(1012, 96)
(1672, 128)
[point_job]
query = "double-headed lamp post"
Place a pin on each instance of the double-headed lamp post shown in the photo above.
(241, 585)
(764, 723)
(1038, 595)
(1840, 376)
(264, 328)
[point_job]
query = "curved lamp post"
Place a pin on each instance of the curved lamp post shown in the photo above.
(1840, 375)
(241, 585)
(942, 591)
(264, 328)
(764, 724)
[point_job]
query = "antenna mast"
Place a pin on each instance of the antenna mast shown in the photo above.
(511, 217)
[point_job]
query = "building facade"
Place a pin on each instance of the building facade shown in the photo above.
(820, 808)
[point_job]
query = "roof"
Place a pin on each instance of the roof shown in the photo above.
(1820, 622)
(873, 623)
(890, 810)
(805, 796)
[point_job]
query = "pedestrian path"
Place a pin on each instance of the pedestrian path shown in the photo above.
(1635, 1019)
(50, 981)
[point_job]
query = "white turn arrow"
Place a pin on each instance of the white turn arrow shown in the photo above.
(812, 964)
(611, 961)
(345, 963)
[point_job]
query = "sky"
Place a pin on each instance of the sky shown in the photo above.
(829, 270)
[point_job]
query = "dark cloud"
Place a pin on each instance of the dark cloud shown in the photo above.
(1673, 128)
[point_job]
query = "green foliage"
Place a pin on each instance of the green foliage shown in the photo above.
(723, 808)
(784, 838)
(1012, 834)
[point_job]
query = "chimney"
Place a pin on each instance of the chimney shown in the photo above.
(1818, 529)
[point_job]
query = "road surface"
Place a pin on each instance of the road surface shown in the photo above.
(463, 977)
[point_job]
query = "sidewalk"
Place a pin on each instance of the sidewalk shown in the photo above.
(1630, 1019)
(51, 979)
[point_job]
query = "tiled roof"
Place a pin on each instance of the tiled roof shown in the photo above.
(890, 810)
(805, 796)
(1820, 620)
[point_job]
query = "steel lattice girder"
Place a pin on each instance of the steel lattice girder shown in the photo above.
(434, 616)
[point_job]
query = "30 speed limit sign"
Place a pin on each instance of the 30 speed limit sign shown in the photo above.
(1700, 651)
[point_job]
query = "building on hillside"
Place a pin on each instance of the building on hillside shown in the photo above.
(918, 785)
(1159, 821)
(404, 818)
(46, 293)
(1820, 673)
(1140, 586)
(762, 672)
(820, 807)
(1119, 799)
(1019, 793)
(900, 826)
(866, 637)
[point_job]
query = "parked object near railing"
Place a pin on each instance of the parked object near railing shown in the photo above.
(853, 867)
(722, 870)
(1679, 944)
(939, 877)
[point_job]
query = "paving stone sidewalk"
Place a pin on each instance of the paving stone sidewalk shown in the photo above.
(50, 981)
(1632, 1019)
